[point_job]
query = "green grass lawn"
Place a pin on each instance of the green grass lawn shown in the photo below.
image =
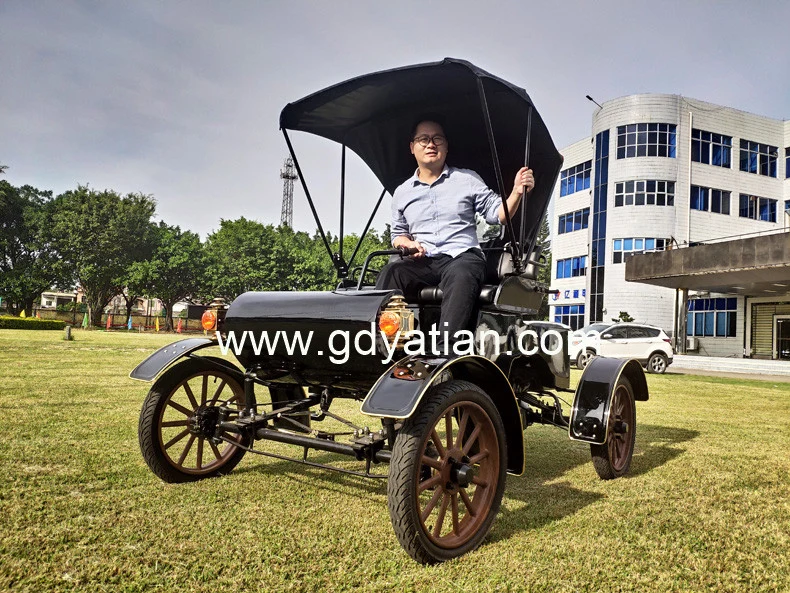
(705, 508)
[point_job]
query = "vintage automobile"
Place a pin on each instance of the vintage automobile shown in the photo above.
(451, 426)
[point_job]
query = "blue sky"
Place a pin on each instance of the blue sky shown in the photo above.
(180, 99)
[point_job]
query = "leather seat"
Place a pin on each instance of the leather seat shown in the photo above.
(499, 266)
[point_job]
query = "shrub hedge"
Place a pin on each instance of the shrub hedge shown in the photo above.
(30, 323)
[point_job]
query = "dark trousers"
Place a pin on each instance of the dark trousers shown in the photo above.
(460, 279)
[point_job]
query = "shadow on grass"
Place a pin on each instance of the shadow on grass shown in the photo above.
(550, 455)
(531, 500)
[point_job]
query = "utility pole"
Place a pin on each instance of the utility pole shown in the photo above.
(288, 175)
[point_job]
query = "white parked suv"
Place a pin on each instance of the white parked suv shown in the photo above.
(650, 345)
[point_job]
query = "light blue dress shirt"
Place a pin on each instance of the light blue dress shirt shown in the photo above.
(441, 216)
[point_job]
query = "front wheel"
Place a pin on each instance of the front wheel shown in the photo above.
(613, 458)
(657, 363)
(179, 416)
(447, 473)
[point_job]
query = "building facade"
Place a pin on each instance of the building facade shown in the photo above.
(662, 172)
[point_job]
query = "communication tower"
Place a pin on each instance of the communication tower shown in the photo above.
(288, 175)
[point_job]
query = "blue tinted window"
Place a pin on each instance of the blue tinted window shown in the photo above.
(710, 148)
(712, 317)
(573, 221)
(646, 139)
(575, 178)
(758, 158)
(757, 208)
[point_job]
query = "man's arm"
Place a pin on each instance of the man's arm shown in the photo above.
(524, 177)
(400, 230)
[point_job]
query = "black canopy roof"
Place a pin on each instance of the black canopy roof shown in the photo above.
(373, 115)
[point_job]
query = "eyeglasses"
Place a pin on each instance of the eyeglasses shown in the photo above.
(425, 140)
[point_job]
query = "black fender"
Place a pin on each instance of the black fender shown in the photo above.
(589, 421)
(398, 392)
(164, 357)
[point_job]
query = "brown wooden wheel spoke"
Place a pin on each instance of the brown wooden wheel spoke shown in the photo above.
(478, 481)
(436, 480)
(214, 449)
(176, 438)
(215, 397)
(454, 500)
(431, 504)
(431, 462)
(448, 428)
(437, 529)
(190, 395)
(172, 423)
(437, 442)
(199, 463)
(479, 457)
(461, 429)
(185, 452)
(204, 390)
(181, 408)
(467, 502)
(471, 441)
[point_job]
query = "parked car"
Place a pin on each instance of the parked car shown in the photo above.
(649, 345)
(576, 341)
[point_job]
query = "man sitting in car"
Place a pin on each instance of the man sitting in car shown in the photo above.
(434, 212)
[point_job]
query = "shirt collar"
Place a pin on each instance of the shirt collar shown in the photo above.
(416, 180)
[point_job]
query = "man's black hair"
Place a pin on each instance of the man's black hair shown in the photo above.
(434, 117)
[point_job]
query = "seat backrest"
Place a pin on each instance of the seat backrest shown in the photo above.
(499, 264)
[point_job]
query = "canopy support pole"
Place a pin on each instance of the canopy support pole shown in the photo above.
(367, 226)
(515, 250)
(309, 198)
(340, 264)
(523, 213)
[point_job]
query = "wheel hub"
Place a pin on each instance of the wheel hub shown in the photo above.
(204, 422)
(456, 470)
(463, 474)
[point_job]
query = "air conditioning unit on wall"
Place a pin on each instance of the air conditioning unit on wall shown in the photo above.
(691, 344)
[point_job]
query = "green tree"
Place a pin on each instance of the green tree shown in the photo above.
(544, 273)
(238, 259)
(97, 236)
(130, 279)
(247, 255)
(173, 272)
(28, 265)
(624, 317)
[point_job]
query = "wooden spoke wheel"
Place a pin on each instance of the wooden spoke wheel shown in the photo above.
(613, 458)
(178, 419)
(447, 473)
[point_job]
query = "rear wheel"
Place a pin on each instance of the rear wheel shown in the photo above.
(584, 358)
(179, 415)
(447, 473)
(613, 458)
(657, 363)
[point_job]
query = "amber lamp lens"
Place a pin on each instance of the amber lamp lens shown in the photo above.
(389, 323)
(208, 320)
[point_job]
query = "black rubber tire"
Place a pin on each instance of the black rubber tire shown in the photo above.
(612, 460)
(657, 363)
(407, 471)
(583, 358)
(150, 431)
